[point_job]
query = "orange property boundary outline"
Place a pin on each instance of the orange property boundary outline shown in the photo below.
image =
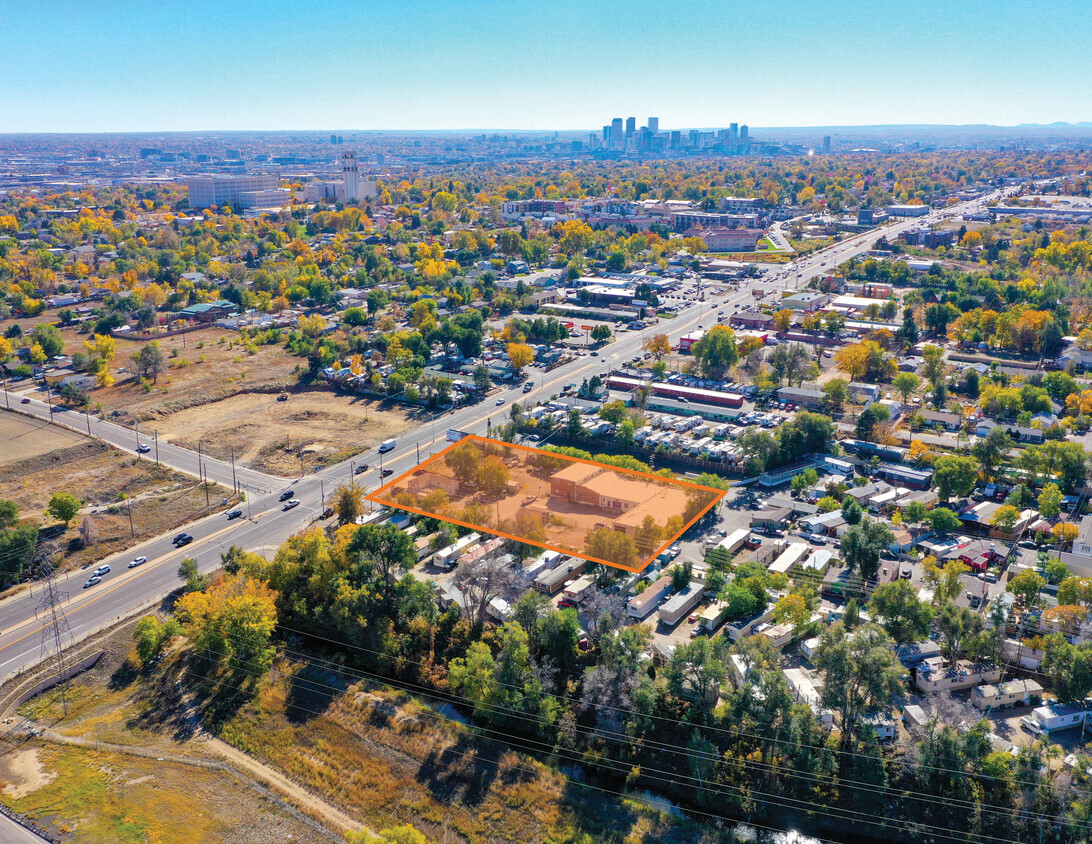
(659, 479)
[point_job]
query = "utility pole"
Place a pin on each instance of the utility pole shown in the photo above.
(87, 417)
(49, 400)
(132, 530)
(56, 634)
(322, 493)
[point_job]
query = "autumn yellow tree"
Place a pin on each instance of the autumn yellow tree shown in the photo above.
(657, 345)
(520, 355)
(782, 319)
(1064, 533)
(574, 236)
(852, 360)
(102, 350)
(311, 326)
(233, 619)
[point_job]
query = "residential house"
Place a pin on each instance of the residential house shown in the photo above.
(863, 494)
(1020, 433)
(776, 517)
(1059, 716)
(58, 378)
(935, 675)
(950, 421)
(863, 393)
(1017, 692)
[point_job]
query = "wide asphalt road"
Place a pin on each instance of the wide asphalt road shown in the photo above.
(265, 524)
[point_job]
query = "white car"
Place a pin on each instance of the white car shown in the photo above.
(100, 571)
(295, 502)
(139, 561)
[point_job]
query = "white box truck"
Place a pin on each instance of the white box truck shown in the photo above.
(387, 445)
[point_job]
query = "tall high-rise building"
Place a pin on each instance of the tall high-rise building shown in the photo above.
(606, 135)
(616, 133)
(631, 127)
(743, 133)
(733, 132)
(654, 125)
(826, 143)
(350, 175)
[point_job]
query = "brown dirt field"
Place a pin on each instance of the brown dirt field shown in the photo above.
(26, 438)
(318, 428)
(100, 475)
(227, 369)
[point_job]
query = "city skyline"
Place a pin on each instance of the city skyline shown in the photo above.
(246, 66)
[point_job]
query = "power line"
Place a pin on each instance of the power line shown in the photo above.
(56, 634)
(777, 800)
(729, 731)
(624, 739)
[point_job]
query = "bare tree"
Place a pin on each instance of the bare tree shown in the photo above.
(89, 532)
(604, 613)
(481, 581)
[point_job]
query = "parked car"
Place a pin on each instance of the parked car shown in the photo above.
(566, 604)
(139, 561)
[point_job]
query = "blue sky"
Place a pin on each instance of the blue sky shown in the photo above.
(155, 65)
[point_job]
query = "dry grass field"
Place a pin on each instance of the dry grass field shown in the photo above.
(309, 430)
(96, 796)
(25, 438)
(202, 366)
(104, 478)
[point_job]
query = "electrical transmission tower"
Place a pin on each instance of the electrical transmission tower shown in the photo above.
(56, 634)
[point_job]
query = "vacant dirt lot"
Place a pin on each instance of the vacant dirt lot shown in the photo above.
(310, 429)
(102, 477)
(202, 366)
(25, 438)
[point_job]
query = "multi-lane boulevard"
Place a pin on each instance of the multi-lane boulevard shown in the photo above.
(266, 524)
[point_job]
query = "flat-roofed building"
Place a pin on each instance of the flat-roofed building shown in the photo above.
(206, 191)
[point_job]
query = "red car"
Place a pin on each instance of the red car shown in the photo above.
(565, 604)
